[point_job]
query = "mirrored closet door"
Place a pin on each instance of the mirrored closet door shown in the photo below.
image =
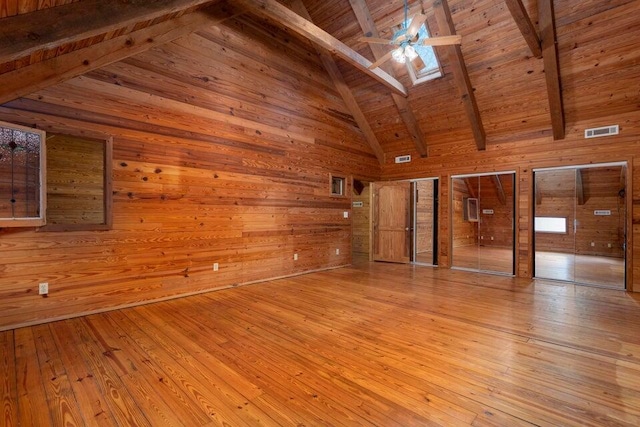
(580, 224)
(482, 228)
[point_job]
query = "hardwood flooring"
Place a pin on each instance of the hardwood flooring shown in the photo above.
(587, 269)
(373, 344)
(484, 258)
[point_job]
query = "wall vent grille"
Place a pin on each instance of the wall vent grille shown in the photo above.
(403, 159)
(603, 131)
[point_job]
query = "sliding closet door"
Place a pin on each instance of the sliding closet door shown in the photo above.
(554, 224)
(496, 223)
(580, 224)
(483, 222)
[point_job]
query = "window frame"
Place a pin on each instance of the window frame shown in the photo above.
(343, 185)
(566, 225)
(41, 219)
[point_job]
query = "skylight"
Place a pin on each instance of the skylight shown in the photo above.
(427, 67)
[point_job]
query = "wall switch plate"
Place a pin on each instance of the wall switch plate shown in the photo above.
(295, 257)
(337, 251)
(215, 266)
(43, 288)
(346, 214)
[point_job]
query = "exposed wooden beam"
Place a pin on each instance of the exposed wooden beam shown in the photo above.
(345, 92)
(24, 81)
(528, 30)
(546, 20)
(580, 195)
(499, 188)
(460, 74)
(379, 51)
(471, 188)
(21, 35)
(272, 10)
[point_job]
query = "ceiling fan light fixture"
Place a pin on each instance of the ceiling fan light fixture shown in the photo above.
(398, 55)
(410, 53)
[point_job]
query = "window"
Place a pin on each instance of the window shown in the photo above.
(426, 67)
(22, 176)
(79, 183)
(545, 224)
(337, 186)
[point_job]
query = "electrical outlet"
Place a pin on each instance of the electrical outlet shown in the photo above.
(593, 244)
(295, 257)
(337, 251)
(608, 245)
(346, 214)
(215, 266)
(43, 288)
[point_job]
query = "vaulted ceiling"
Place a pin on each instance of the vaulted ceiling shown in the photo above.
(525, 68)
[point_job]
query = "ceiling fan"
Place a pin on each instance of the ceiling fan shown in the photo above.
(407, 38)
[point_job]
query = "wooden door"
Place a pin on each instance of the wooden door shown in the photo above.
(391, 221)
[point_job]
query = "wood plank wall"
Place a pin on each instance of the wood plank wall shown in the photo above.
(539, 152)
(223, 147)
(424, 216)
(75, 180)
(361, 222)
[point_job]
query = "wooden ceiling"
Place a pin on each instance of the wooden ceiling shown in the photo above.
(525, 68)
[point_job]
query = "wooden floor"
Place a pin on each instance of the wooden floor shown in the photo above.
(587, 269)
(375, 344)
(484, 258)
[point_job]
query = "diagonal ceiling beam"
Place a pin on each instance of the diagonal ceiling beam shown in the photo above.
(22, 35)
(278, 13)
(341, 86)
(40, 75)
(406, 112)
(460, 74)
(546, 21)
(528, 30)
(499, 189)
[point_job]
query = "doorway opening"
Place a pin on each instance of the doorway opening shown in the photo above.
(580, 224)
(482, 222)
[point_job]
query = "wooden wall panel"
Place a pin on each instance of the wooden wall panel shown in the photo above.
(216, 159)
(424, 214)
(361, 220)
(75, 180)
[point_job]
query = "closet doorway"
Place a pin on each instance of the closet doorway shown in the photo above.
(580, 224)
(405, 221)
(482, 222)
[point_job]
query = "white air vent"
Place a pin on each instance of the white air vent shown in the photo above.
(603, 131)
(403, 159)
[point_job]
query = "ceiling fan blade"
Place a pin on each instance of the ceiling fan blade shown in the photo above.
(375, 40)
(416, 22)
(384, 58)
(441, 41)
